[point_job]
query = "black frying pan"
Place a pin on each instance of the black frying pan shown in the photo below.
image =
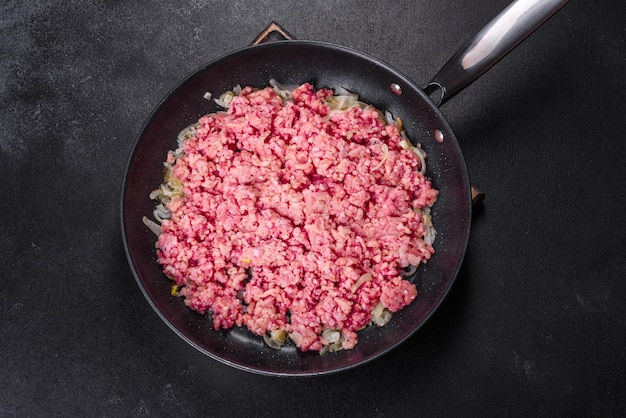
(323, 65)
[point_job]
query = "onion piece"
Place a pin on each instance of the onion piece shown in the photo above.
(399, 124)
(381, 315)
(417, 150)
(405, 144)
(363, 279)
(431, 232)
(155, 194)
(324, 350)
(334, 340)
(389, 117)
(225, 99)
(185, 134)
(284, 92)
(152, 226)
(275, 339)
(331, 335)
(385, 156)
(342, 91)
(161, 212)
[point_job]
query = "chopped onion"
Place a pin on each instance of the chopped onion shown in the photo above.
(363, 279)
(344, 102)
(417, 150)
(225, 99)
(185, 134)
(385, 156)
(381, 315)
(275, 339)
(331, 335)
(405, 144)
(334, 339)
(161, 212)
(389, 118)
(342, 91)
(155, 194)
(399, 124)
(175, 290)
(430, 233)
(152, 226)
(284, 92)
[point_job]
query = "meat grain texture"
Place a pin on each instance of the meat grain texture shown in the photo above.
(295, 217)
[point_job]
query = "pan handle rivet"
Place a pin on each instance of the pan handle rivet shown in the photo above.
(438, 136)
(396, 89)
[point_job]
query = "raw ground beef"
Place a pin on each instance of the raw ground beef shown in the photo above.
(287, 204)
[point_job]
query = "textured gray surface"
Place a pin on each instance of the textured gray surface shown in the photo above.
(534, 325)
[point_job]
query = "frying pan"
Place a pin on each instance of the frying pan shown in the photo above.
(323, 65)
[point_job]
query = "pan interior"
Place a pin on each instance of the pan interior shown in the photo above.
(323, 65)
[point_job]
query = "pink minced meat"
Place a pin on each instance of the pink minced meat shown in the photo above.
(286, 205)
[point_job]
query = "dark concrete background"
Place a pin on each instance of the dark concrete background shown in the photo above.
(534, 325)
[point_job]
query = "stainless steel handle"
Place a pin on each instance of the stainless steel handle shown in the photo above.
(493, 42)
